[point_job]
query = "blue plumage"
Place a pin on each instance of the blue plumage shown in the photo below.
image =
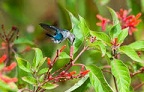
(60, 35)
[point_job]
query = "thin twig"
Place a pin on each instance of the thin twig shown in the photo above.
(115, 84)
(114, 54)
(72, 63)
(138, 86)
(141, 70)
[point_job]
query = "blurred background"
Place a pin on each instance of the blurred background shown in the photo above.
(27, 14)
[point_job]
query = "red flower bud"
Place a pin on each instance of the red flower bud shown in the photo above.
(49, 61)
(84, 72)
(14, 28)
(62, 73)
(10, 67)
(62, 48)
(73, 72)
(3, 58)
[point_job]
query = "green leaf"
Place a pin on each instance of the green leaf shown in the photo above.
(80, 85)
(49, 86)
(122, 75)
(79, 38)
(138, 45)
(24, 41)
(83, 26)
(142, 5)
(30, 80)
(42, 71)
(100, 45)
(97, 79)
(38, 57)
(114, 16)
(115, 31)
(101, 36)
(74, 20)
(23, 64)
(63, 55)
(10, 87)
(42, 61)
(130, 52)
(122, 35)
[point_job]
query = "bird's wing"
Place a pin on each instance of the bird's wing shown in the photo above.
(47, 27)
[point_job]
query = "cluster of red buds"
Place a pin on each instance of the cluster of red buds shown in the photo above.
(63, 73)
(126, 21)
(8, 38)
(11, 35)
(6, 69)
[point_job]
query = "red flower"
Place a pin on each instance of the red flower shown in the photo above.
(122, 14)
(7, 79)
(130, 21)
(3, 58)
(84, 72)
(103, 22)
(10, 67)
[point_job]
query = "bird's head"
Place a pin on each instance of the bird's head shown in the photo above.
(71, 38)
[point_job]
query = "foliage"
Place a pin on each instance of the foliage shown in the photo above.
(102, 58)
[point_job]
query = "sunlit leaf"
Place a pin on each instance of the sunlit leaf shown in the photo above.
(122, 35)
(122, 75)
(30, 80)
(49, 86)
(42, 71)
(64, 55)
(101, 36)
(137, 45)
(131, 53)
(80, 86)
(38, 57)
(79, 38)
(99, 45)
(23, 64)
(42, 62)
(83, 26)
(115, 31)
(97, 80)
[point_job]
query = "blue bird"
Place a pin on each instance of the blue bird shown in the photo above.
(60, 35)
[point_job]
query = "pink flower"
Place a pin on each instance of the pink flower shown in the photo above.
(103, 22)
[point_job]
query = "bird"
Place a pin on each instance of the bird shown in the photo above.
(59, 34)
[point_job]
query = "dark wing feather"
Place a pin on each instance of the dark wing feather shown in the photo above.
(47, 27)
(49, 35)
